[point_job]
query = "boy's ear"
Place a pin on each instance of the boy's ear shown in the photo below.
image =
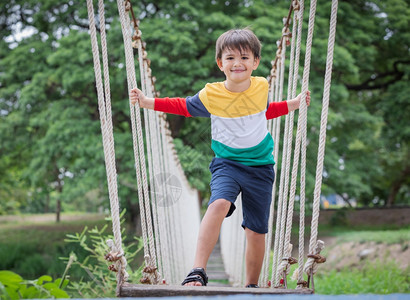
(219, 63)
(256, 63)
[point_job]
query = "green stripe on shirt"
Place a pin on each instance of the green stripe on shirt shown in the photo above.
(258, 155)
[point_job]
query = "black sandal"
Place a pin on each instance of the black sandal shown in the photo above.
(197, 274)
(252, 286)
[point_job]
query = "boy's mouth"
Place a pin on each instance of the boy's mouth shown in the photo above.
(237, 71)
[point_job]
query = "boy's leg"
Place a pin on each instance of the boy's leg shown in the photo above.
(209, 233)
(255, 251)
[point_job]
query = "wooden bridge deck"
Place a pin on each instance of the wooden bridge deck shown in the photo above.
(141, 290)
(216, 285)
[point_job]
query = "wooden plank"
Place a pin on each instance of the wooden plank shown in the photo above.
(142, 290)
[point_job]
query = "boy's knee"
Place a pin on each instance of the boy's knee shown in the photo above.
(253, 234)
(221, 205)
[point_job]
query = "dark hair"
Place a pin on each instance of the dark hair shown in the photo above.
(240, 39)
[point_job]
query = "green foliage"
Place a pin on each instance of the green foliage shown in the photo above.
(29, 249)
(13, 286)
(51, 147)
(339, 218)
(398, 236)
(33, 249)
(99, 280)
(373, 278)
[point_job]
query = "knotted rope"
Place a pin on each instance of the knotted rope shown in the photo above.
(323, 126)
(104, 107)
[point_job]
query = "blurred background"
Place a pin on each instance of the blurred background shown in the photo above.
(52, 172)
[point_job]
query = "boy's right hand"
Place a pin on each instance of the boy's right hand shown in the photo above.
(136, 95)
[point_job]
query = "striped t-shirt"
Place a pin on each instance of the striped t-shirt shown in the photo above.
(238, 120)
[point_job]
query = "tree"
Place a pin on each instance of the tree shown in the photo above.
(51, 146)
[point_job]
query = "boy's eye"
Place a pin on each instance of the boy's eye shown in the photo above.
(245, 57)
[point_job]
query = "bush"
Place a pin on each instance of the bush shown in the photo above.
(13, 286)
(99, 280)
(339, 218)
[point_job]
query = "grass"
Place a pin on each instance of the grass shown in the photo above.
(373, 278)
(32, 250)
(381, 236)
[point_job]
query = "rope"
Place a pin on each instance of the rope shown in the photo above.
(302, 122)
(284, 204)
(104, 108)
(138, 143)
(151, 139)
(286, 155)
(313, 259)
(322, 135)
(299, 19)
(173, 245)
(278, 217)
(162, 247)
(268, 239)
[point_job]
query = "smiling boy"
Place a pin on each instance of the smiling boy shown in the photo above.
(243, 163)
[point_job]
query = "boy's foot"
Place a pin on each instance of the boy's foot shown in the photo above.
(197, 277)
(252, 286)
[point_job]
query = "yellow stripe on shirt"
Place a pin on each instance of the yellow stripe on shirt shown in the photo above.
(223, 103)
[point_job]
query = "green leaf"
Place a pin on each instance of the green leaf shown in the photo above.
(10, 279)
(43, 279)
(55, 291)
(65, 283)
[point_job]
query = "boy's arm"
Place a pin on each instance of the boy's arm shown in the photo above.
(188, 107)
(176, 106)
(277, 109)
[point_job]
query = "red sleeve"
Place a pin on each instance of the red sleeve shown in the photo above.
(276, 109)
(176, 106)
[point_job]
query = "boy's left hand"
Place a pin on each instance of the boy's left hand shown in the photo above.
(299, 97)
(295, 102)
(307, 97)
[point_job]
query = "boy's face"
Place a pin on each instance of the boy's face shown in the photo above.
(237, 65)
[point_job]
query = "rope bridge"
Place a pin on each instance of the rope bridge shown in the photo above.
(168, 203)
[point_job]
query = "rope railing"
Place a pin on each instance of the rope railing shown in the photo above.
(163, 232)
(104, 107)
(282, 258)
(161, 223)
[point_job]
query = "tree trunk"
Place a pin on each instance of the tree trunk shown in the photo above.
(58, 210)
(397, 184)
(346, 199)
(133, 211)
(59, 190)
(47, 205)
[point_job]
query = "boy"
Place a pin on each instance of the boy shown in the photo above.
(239, 109)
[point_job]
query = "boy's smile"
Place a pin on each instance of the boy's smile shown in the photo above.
(237, 66)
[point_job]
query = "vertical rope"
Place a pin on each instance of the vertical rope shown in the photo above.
(268, 239)
(322, 135)
(135, 119)
(138, 143)
(107, 133)
(301, 129)
(284, 200)
(152, 139)
(280, 199)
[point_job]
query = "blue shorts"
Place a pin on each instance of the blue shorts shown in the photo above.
(229, 178)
